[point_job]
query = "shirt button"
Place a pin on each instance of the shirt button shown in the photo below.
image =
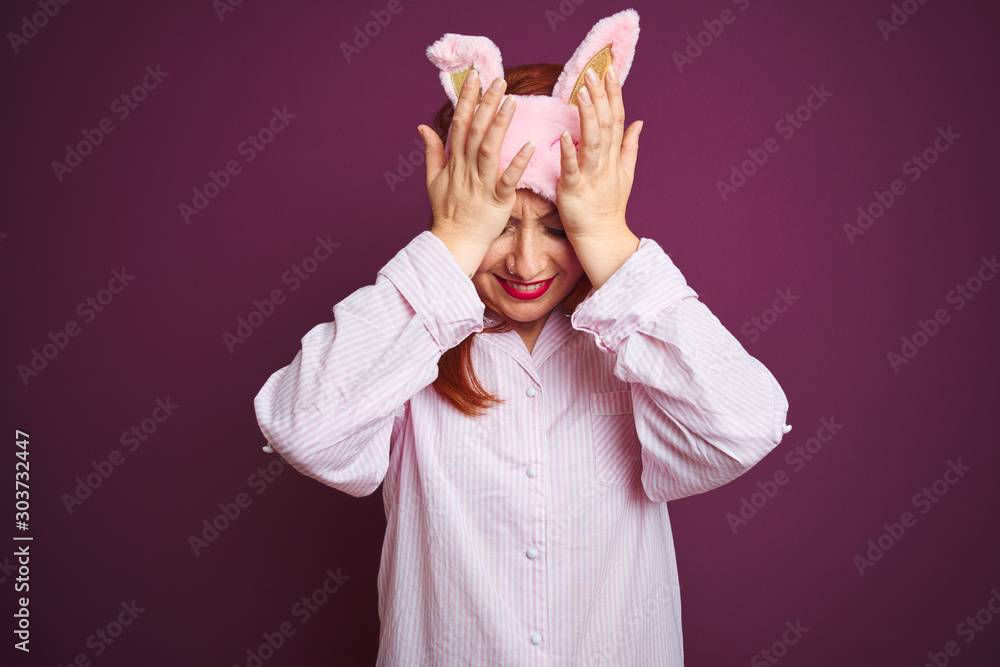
(536, 639)
(530, 391)
(785, 429)
(530, 472)
(531, 553)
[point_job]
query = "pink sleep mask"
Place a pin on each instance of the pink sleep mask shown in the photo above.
(610, 43)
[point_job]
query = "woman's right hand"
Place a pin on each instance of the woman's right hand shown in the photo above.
(471, 200)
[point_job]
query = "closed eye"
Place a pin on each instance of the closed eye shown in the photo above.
(559, 233)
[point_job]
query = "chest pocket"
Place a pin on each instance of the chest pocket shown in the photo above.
(617, 453)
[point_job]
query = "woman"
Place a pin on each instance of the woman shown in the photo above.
(526, 457)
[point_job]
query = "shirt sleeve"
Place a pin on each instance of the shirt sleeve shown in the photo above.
(331, 412)
(705, 410)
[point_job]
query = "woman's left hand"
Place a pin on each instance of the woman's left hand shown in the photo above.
(596, 180)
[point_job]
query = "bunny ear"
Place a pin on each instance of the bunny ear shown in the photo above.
(457, 55)
(610, 43)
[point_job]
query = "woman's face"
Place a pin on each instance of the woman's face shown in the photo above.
(534, 242)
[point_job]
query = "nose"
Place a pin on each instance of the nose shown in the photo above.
(527, 255)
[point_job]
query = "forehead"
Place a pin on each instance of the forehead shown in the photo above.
(530, 206)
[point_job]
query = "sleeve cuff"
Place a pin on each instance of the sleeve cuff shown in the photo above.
(430, 280)
(645, 285)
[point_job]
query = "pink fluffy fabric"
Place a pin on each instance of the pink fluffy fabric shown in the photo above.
(538, 117)
(621, 30)
(542, 119)
(456, 53)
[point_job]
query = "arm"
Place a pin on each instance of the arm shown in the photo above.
(330, 413)
(705, 410)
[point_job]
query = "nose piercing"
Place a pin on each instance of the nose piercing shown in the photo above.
(511, 268)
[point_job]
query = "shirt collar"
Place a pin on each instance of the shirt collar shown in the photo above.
(556, 331)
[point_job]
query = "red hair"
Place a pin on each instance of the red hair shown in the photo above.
(457, 382)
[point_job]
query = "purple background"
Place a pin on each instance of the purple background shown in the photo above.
(324, 176)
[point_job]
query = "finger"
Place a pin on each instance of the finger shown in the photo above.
(512, 174)
(588, 153)
(489, 149)
(569, 173)
(613, 87)
(602, 109)
(630, 147)
(434, 150)
(464, 109)
(483, 118)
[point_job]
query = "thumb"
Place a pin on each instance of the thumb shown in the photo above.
(434, 152)
(630, 146)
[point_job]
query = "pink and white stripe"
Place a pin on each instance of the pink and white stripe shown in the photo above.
(537, 534)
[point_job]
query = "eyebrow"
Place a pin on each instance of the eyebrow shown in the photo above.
(551, 214)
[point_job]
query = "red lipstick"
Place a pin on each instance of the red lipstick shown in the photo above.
(526, 295)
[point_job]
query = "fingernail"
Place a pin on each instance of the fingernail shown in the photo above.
(612, 74)
(496, 85)
(507, 105)
(584, 96)
(474, 74)
(528, 147)
(592, 75)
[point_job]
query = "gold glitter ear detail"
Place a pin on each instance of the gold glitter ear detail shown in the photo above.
(599, 63)
(458, 80)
